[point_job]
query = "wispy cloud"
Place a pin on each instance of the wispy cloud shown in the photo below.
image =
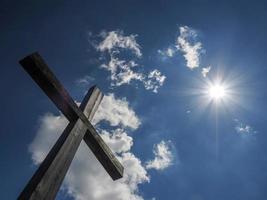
(163, 156)
(85, 81)
(169, 52)
(86, 178)
(186, 43)
(205, 71)
(122, 71)
(124, 68)
(244, 129)
(115, 40)
(154, 80)
(191, 48)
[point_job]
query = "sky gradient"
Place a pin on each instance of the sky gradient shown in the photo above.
(155, 63)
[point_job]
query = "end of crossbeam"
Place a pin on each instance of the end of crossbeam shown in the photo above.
(36, 67)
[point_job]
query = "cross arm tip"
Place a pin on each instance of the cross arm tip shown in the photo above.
(29, 56)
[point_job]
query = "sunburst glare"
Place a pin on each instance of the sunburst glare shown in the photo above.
(217, 92)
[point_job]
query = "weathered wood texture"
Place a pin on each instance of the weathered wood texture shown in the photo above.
(48, 178)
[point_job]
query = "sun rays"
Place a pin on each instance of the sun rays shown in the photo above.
(217, 92)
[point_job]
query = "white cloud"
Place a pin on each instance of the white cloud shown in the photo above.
(49, 129)
(115, 65)
(189, 47)
(125, 77)
(188, 44)
(121, 71)
(163, 157)
(154, 81)
(169, 52)
(86, 178)
(85, 81)
(244, 129)
(205, 71)
(118, 140)
(115, 39)
(116, 112)
(125, 70)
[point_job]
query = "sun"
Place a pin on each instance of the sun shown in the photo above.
(222, 90)
(217, 92)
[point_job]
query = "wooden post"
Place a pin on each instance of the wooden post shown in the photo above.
(47, 179)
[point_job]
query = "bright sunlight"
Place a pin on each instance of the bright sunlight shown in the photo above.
(217, 91)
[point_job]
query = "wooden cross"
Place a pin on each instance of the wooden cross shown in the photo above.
(46, 181)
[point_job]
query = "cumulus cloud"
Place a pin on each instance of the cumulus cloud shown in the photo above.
(86, 178)
(189, 47)
(205, 71)
(116, 112)
(124, 68)
(50, 127)
(118, 140)
(163, 156)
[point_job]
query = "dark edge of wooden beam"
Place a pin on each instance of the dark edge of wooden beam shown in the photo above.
(96, 102)
(99, 147)
(37, 177)
(104, 155)
(47, 81)
(31, 189)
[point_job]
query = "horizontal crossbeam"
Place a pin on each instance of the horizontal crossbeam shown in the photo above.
(44, 77)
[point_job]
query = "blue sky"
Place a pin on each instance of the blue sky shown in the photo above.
(174, 140)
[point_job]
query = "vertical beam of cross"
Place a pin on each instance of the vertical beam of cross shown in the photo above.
(47, 180)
